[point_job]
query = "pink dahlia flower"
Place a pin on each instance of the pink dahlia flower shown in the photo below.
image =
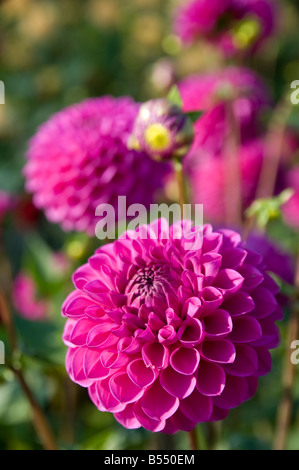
(208, 93)
(79, 159)
(25, 299)
(232, 25)
(164, 336)
(211, 183)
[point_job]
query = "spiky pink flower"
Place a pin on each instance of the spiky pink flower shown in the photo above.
(232, 25)
(164, 336)
(79, 159)
(25, 300)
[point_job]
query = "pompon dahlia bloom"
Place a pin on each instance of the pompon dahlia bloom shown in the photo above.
(164, 336)
(232, 25)
(79, 159)
(209, 93)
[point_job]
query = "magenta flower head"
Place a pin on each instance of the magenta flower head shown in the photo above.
(162, 130)
(232, 25)
(165, 336)
(79, 159)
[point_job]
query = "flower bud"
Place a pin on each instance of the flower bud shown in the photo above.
(162, 130)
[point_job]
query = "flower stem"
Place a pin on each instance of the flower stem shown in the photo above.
(193, 439)
(180, 177)
(284, 412)
(40, 422)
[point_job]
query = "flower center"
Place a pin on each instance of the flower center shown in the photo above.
(157, 137)
(148, 283)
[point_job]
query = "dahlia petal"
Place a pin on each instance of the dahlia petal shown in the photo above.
(99, 334)
(155, 355)
(211, 263)
(191, 332)
(211, 298)
(233, 258)
(220, 350)
(128, 345)
(212, 242)
(239, 304)
(234, 393)
(113, 360)
(253, 257)
(107, 400)
(93, 394)
(228, 281)
(264, 360)
(141, 374)
(123, 389)
(210, 379)
(82, 276)
(217, 323)
(185, 360)
(246, 362)
(95, 312)
(191, 306)
(74, 366)
(252, 277)
(75, 305)
(145, 336)
(92, 365)
(197, 407)
(154, 322)
(172, 318)
(80, 331)
(68, 328)
(96, 261)
(270, 335)
(95, 287)
(245, 329)
(157, 403)
(229, 238)
(218, 414)
(265, 302)
(176, 384)
(270, 284)
(127, 418)
(167, 335)
(153, 425)
(179, 422)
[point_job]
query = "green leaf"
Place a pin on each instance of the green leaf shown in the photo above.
(175, 97)
(195, 115)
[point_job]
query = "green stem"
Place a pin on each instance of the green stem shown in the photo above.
(181, 182)
(40, 422)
